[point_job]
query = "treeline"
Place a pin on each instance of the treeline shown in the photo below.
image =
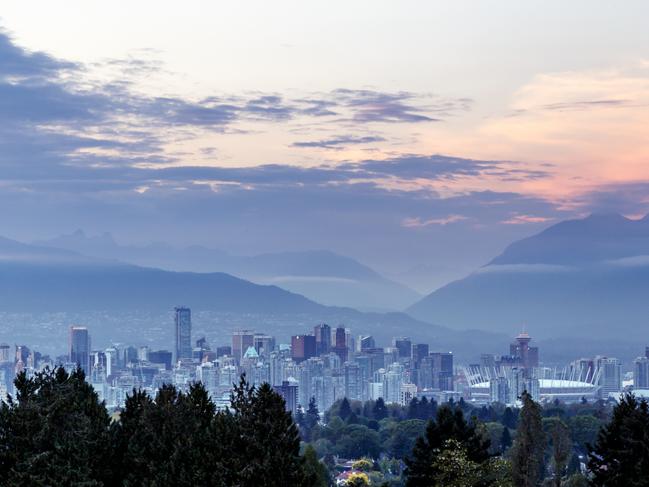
(55, 432)
(372, 428)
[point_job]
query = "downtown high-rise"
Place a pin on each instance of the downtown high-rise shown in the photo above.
(183, 329)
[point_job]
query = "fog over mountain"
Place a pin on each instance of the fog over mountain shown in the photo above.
(578, 278)
(42, 282)
(320, 275)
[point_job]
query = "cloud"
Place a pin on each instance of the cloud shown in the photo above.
(339, 142)
(525, 219)
(418, 222)
(373, 106)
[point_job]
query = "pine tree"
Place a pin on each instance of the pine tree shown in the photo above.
(380, 411)
(529, 445)
(561, 450)
(266, 447)
(345, 409)
(509, 418)
(413, 408)
(311, 420)
(449, 424)
(505, 440)
(56, 433)
(621, 455)
(315, 472)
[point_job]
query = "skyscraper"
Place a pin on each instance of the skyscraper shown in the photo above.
(341, 344)
(322, 334)
(183, 321)
(641, 373)
(610, 377)
(241, 340)
(80, 348)
(303, 347)
(404, 346)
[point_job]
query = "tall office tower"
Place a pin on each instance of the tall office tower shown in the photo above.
(350, 342)
(404, 346)
(366, 342)
(130, 355)
(322, 335)
(288, 390)
(161, 357)
(5, 352)
(353, 384)
(610, 376)
(419, 351)
(183, 321)
(241, 340)
(341, 344)
(442, 365)
(111, 361)
(641, 373)
(303, 347)
(223, 350)
(80, 348)
(264, 344)
(392, 381)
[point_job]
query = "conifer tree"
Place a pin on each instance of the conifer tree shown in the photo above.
(56, 432)
(345, 410)
(267, 444)
(505, 440)
(380, 411)
(621, 454)
(529, 446)
(561, 450)
(449, 424)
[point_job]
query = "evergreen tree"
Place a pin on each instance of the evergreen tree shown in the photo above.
(310, 420)
(345, 409)
(621, 454)
(413, 408)
(424, 409)
(561, 450)
(55, 433)
(448, 425)
(505, 440)
(509, 418)
(265, 450)
(315, 472)
(166, 441)
(380, 411)
(529, 446)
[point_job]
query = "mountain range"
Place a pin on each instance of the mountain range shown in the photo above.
(37, 280)
(320, 275)
(578, 279)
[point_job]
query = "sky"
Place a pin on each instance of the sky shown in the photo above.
(418, 137)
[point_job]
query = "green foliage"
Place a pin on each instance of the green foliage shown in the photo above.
(529, 446)
(316, 473)
(380, 411)
(56, 433)
(621, 453)
(561, 450)
(422, 468)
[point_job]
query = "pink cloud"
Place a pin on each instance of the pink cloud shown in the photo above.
(525, 219)
(419, 223)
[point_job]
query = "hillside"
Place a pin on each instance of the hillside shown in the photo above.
(576, 279)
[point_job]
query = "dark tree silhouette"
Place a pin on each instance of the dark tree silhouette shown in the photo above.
(621, 454)
(449, 424)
